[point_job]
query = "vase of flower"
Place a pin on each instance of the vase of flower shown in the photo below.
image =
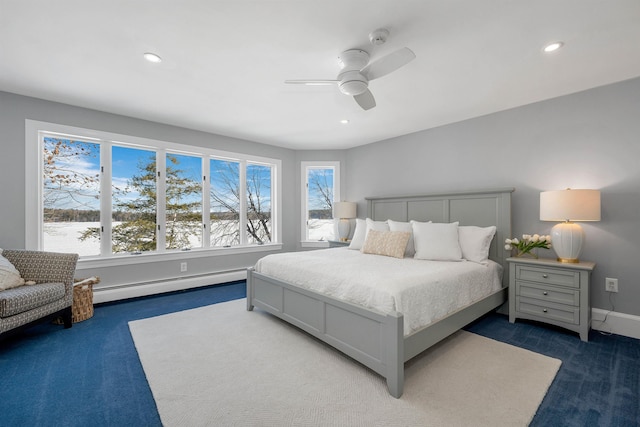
(527, 247)
(527, 254)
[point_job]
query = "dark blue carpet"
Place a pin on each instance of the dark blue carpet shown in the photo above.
(598, 383)
(90, 375)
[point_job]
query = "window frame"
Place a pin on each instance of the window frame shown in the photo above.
(34, 169)
(305, 166)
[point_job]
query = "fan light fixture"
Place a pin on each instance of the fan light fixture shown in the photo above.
(152, 57)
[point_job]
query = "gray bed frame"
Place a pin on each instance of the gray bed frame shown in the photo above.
(373, 338)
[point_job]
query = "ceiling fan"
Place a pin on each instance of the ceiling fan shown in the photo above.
(356, 71)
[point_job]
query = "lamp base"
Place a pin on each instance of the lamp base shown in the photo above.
(344, 228)
(567, 238)
(568, 260)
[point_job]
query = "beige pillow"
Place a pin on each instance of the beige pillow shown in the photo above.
(9, 276)
(387, 243)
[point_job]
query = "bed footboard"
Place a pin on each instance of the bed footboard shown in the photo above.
(372, 338)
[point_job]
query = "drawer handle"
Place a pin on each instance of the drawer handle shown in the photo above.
(545, 276)
(545, 293)
(544, 310)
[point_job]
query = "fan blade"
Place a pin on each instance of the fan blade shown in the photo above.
(388, 63)
(311, 82)
(365, 100)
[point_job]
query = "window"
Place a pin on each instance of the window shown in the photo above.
(224, 220)
(101, 194)
(71, 194)
(320, 186)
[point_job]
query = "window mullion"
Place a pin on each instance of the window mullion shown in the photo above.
(206, 202)
(106, 202)
(243, 202)
(161, 199)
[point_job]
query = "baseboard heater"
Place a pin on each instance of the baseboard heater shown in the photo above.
(133, 290)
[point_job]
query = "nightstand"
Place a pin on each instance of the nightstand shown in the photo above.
(552, 292)
(338, 243)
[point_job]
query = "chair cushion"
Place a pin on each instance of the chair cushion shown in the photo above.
(18, 300)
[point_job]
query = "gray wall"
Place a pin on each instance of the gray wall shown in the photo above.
(586, 140)
(14, 109)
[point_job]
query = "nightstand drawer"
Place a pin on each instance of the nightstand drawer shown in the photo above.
(557, 312)
(548, 275)
(548, 293)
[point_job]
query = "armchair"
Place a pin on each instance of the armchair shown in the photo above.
(50, 296)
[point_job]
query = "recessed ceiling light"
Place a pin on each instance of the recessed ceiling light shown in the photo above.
(344, 121)
(552, 47)
(152, 57)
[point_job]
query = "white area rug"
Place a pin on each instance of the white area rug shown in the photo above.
(221, 365)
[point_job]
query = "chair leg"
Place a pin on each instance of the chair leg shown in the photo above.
(67, 317)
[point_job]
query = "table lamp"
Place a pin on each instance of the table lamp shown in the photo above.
(569, 206)
(344, 211)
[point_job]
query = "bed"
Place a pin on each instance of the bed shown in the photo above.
(378, 339)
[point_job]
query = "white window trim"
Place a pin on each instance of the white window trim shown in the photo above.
(305, 166)
(33, 193)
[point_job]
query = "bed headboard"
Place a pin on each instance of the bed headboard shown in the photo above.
(481, 207)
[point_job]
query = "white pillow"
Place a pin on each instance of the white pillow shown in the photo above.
(9, 276)
(404, 226)
(359, 234)
(475, 242)
(436, 241)
(356, 243)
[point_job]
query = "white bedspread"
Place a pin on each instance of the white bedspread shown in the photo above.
(423, 291)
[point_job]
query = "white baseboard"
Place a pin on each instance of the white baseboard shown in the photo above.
(116, 293)
(616, 323)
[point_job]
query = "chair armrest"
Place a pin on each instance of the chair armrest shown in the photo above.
(43, 267)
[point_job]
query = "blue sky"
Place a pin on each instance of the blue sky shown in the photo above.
(126, 162)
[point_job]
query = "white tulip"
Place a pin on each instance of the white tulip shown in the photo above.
(515, 241)
(507, 247)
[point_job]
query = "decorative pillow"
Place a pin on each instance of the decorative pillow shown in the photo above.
(475, 242)
(361, 232)
(404, 226)
(9, 276)
(436, 241)
(387, 243)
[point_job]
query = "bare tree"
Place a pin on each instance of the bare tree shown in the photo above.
(65, 184)
(225, 229)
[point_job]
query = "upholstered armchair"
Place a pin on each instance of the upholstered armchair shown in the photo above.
(49, 291)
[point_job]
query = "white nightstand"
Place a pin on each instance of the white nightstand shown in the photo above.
(552, 292)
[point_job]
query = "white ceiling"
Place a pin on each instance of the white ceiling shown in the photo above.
(224, 62)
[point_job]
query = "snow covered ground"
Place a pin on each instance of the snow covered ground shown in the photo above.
(65, 236)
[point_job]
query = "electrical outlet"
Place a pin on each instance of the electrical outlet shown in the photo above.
(183, 267)
(611, 285)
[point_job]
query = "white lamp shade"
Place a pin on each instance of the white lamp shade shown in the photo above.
(569, 205)
(344, 210)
